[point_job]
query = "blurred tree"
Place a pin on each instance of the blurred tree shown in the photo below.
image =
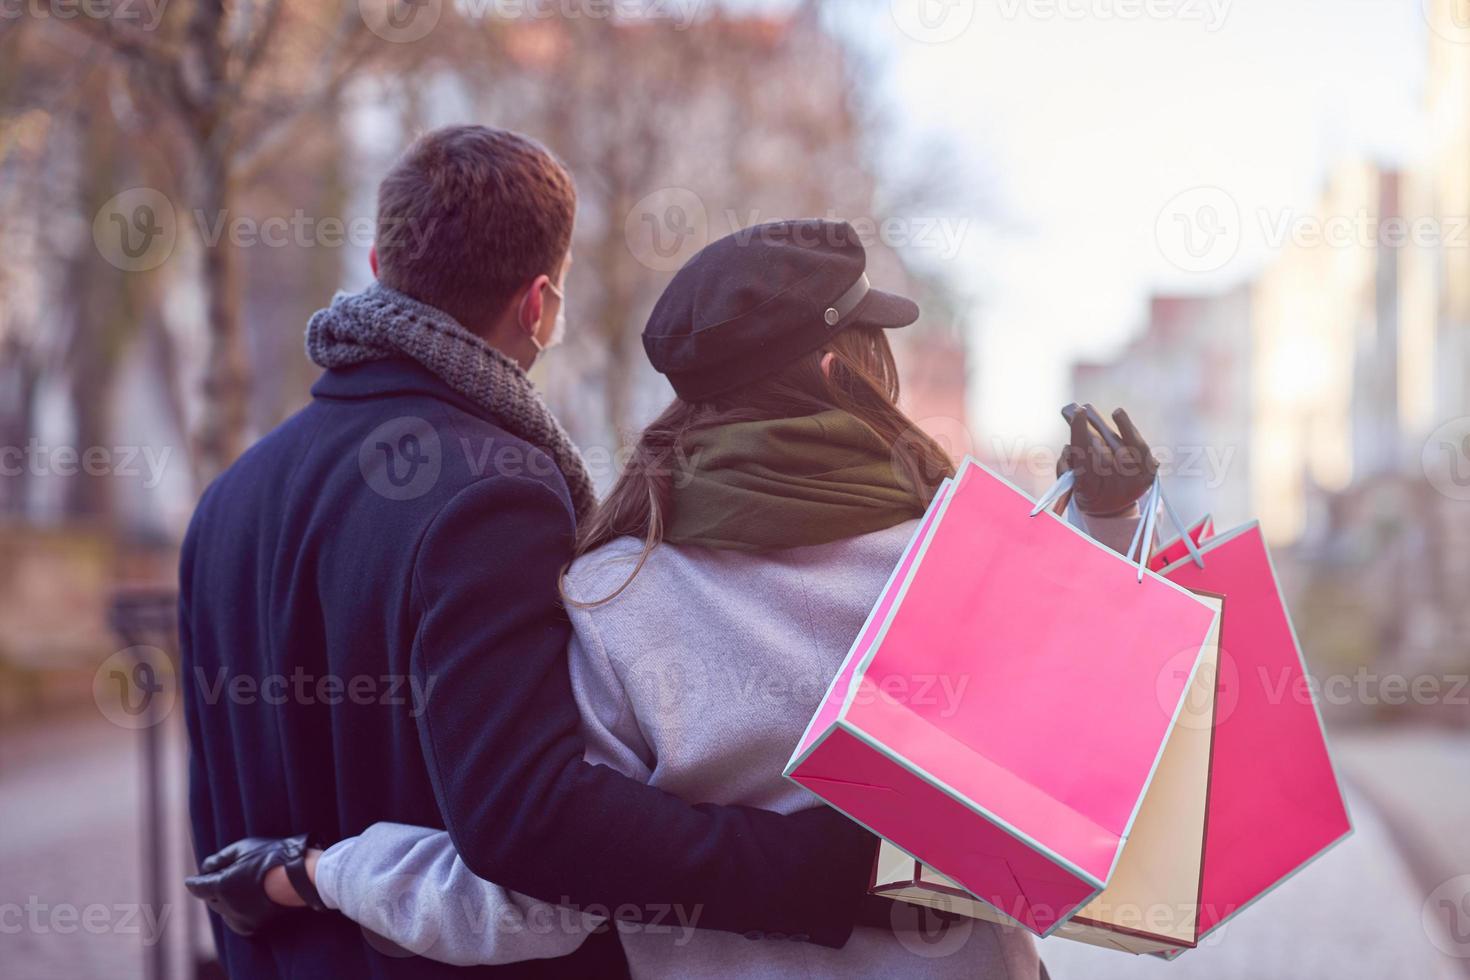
(270, 106)
(714, 125)
(226, 90)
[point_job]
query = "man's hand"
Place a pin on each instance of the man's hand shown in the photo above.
(1112, 470)
(247, 883)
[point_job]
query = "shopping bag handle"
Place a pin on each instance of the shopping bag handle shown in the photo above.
(1143, 535)
(1063, 484)
(1184, 535)
(1144, 532)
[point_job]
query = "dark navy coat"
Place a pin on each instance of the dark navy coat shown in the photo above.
(371, 631)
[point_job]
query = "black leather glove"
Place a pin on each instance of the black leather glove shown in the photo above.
(1113, 470)
(231, 881)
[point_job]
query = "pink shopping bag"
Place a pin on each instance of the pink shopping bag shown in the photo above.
(1005, 706)
(1152, 899)
(1167, 554)
(1274, 800)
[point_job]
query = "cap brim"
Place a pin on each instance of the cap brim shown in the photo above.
(884, 310)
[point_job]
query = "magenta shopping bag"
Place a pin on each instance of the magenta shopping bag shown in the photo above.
(1275, 803)
(1004, 708)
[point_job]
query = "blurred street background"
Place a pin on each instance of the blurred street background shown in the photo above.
(1248, 221)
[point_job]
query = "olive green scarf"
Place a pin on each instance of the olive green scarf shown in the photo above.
(784, 483)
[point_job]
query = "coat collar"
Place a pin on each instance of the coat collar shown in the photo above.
(388, 378)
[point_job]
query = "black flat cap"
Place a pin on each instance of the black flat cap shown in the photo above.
(751, 303)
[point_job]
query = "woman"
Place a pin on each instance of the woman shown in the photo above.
(717, 590)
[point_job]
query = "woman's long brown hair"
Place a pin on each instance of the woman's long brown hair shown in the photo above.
(862, 381)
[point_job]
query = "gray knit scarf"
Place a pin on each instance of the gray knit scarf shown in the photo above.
(380, 322)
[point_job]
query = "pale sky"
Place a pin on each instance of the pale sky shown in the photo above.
(1076, 124)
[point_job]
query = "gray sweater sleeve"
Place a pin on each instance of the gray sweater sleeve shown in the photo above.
(1115, 532)
(409, 886)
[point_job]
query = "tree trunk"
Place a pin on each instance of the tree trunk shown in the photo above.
(104, 306)
(220, 435)
(90, 388)
(18, 379)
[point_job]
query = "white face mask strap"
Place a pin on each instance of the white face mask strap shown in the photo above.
(540, 347)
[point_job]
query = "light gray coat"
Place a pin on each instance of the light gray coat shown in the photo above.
(699, 679)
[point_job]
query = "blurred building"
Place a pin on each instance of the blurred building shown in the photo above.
(1330, 368)
(1193, 359)
(1325, 348)
(1329, 372)
(1434, 370)
(1449, 178)
(1383, 565)
(1356, 342)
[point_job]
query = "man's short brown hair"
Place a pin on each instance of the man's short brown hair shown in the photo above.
(470, 214)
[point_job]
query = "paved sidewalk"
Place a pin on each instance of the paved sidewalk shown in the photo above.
(70, 862)
(69, 822)
(1419, 779)
(1355, 913)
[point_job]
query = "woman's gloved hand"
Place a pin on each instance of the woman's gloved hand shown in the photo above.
(242, 884)
(1113, 469)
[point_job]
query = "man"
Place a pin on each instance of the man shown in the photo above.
(370, 617)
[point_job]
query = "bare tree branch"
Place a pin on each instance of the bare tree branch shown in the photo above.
(155, 60)
(258, 46)
(346, 54)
